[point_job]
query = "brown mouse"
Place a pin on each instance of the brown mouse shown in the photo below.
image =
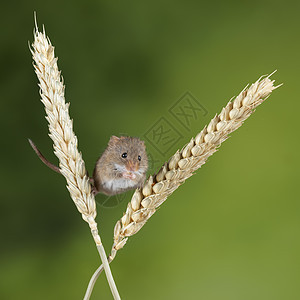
(121, 167)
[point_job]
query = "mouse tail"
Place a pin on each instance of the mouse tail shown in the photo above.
(43, 158)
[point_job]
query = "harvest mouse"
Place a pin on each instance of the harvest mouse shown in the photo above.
(121, 167)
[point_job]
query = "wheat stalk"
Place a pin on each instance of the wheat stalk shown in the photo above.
(71, 164)
(183, 163)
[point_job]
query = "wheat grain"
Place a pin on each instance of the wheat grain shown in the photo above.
(71, 164)
(183, 163)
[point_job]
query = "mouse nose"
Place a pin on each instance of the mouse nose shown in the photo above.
(132, 166)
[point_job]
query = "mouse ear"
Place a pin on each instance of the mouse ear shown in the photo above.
(113, 140)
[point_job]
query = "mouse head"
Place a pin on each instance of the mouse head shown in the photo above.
(130, 157)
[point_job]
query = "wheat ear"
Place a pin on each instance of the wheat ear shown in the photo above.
(191, 157)
(183, 163)
(71, 164)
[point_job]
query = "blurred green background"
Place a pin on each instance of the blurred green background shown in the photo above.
(232, 231)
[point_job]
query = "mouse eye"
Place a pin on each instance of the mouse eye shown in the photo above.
(139, 158)
(124, 155)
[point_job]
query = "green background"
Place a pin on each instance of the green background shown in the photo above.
(232, 231)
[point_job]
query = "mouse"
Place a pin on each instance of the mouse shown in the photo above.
(121, 167)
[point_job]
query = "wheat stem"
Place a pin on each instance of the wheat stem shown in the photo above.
(71, 164)
(108, 273)
(185, 162)
(93, 281)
